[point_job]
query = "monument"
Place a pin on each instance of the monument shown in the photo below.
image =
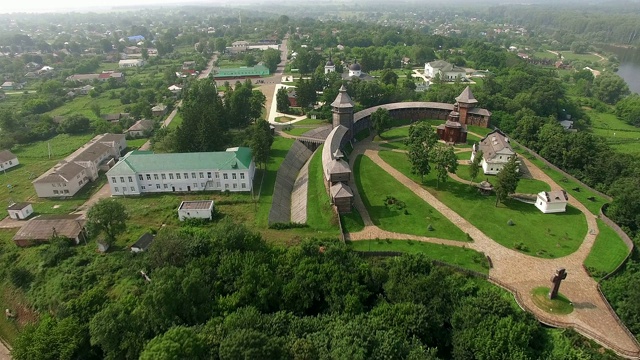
(556, 279)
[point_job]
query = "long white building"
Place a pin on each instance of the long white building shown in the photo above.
(140, 172)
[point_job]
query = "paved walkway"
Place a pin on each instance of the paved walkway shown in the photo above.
(515, 271)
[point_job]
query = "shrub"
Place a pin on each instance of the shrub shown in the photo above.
(289, 225)
(521, 246)
(21, 278)
(430, 227)
(510, 222)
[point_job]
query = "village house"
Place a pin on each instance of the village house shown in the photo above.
(496, 152)
(159, 110)
(43, 228)
(104, 76)
(552, 201)
(20, 211)
(175, 89)
(140, 128)
(446, 71)
(81, 167)
(143, 243)
(140, 172)
(355, 72)
(201, 209)
(129, 63)
(238, 47)
(242, 72)
(8, 160)
(10, 85)
(188, 65)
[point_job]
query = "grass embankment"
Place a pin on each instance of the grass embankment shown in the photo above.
(525, 186)
(618, 134)
(607, 252)
(298, 131)
(283, 119)
(352, 222)
(375, 185)
(560, 305)
(535, 233)
(459, 256)
(34, 161)
(320, 215)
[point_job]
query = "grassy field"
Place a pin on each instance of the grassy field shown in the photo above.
(34, 160)
(459, 256)
(545, 55)
(560, 305)
(177, 120)
(569, 55)
(312, 122)
(136, 143)
(279, 150)
(298, 131)
(398, 144)
(582, 194)
(352, 222)
(607, 252)
(82, 105)
(525, 186)
(478, 130)
(320, 215)
(618, 134)
(547, 235)
(374, 185)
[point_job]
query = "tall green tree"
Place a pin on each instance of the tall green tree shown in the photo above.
(474, 169)
(256, 104)
(282, 100)
(204, 125)
(108, 216)
(444, 160)
(261, 140)
(306, 93)
(422, 138)
(609, 87)
(380, 120)
(507, 180)
(177, 343)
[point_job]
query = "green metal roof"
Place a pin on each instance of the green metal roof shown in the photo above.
(146, 161)
(257, 70)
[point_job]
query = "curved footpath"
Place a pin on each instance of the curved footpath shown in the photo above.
(517, 272)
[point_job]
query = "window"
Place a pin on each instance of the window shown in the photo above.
(55, 192)
(186, 176)
(155, 176)
(233, 176)
(209, 175)
(235, 186)
(66, 191)
(201, 184)
(116, 189)
(193, 175)
(10, 162)
(133, 189)
(142, 187)
(217, 175)
(218, 184)
(244, 186)
(178, 176)
(241, 176)
(121, 179)
(148, 177)
(113, 179)
(226, 186)
(163, 176)
(158, 186)
(201, 175)
(195, 185)
(166, 186)
(170, 176)
(140, 177)
(130, 179)
(225, 176)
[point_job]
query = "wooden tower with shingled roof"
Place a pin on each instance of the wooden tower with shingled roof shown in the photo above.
(342, 109)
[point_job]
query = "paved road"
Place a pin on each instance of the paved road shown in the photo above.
(518, 272)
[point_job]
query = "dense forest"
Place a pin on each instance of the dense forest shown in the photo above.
(224, 293)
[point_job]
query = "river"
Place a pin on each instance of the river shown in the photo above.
(629, 68)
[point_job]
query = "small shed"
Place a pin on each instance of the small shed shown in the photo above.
(44, 227)
(552, 201)
(342, 197)
(103, 246)
(20, 211)
(143, 243)
(200, 209)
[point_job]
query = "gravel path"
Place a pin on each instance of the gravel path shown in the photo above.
(517, 272)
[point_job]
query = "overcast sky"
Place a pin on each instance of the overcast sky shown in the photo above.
(67, 5)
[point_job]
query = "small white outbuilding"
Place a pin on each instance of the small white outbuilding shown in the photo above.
(552, 201)
(200, 209)
(20, 211)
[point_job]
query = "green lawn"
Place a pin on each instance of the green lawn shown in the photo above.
(459, 256)
(279, 150)
(34, 161)
(525, 186)
(395, 133)
(136, 143)
(478, 130)
(177, 120)
(297, 131)
(398, 144)
(320, 215)
(312, 122)
(464, 155)
(82, 105)
(374, 185)
(607, 252)
(352, 222)
(569, 55)
(283, 119)
(547, 235)
(583, 194)
(560, 305)
(617, 133)
(545, 55)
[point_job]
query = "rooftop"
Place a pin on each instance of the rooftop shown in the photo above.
(6, 155)
(196, 205)
(343, 100)
(44, 227)
(557, 196)
(18, 206)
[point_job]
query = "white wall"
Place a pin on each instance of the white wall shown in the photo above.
(549, 208)
(9, 164)
(194, 214)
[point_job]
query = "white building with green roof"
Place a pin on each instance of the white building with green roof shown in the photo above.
(140, 172)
